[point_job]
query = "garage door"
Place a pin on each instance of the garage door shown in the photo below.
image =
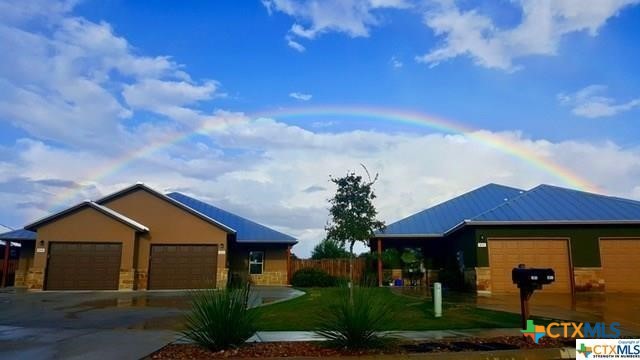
(505, 254)
(620, 264)
(183, 266)
(83, 266)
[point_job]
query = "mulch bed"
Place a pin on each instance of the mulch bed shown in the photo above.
(319, 349)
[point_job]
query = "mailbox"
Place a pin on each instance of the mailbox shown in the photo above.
(529, 280)
(532, 278)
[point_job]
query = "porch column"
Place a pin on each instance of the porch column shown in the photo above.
(5, 264)
(289, 265)
(379, 262)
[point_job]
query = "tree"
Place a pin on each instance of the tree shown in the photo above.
(329, 249)
(352, 213)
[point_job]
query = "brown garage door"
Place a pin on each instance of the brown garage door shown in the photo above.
(183, 266)
(505, 254)
(83, 266)
(620, 264)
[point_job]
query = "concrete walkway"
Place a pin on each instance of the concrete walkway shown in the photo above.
(51, 343)
(276, 336)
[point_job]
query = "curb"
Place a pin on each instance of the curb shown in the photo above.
(522, 354)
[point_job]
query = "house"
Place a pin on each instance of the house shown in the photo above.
(9, 254)
(138, 238)
(591, 241)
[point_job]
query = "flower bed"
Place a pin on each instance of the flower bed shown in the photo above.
(318, 349)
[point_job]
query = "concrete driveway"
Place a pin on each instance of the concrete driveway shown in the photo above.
(586, 307)
(97, 324)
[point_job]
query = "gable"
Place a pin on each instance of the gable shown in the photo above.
(85, 224)
(141, 188)
(168, 222)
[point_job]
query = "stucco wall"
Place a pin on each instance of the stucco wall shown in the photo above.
(168, 224)
(585, 250)
(84, 225)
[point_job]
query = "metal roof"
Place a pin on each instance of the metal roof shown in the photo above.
(142, 186)
(246, 230)
(437, 220)
(552, 204)
(19, 235)
(104, 210)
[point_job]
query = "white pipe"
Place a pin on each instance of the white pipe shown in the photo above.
(437, 299)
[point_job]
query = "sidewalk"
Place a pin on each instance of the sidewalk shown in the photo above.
(277, 336)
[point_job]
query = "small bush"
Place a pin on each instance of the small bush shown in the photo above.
(355, 324)
(310, 277)
(219, 319)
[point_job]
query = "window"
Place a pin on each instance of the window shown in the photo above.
(256, 262)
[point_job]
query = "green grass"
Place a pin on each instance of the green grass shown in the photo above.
(407, 313)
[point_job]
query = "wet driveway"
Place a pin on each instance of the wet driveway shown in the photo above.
(586, 307)
(98, 324)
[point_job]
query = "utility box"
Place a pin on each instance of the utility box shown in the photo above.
(532, 278)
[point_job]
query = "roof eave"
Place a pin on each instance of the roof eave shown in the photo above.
(267, 241)
(554, 222)
(382, 236)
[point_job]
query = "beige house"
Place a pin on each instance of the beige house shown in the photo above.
(139, 238)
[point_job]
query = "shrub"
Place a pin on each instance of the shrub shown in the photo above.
(329, 249)
(355, 324)
(311, 277)
(219, 319)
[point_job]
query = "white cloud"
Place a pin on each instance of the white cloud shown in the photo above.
(63, 82)
(395, 63)
(33, 9)
(283, 179)
(300, 96)
(294, 44)
(589, 102)
(544, 23)
(79, 84)
(313, 17)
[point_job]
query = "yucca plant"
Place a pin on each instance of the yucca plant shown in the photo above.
(355, 323)
(219, 319)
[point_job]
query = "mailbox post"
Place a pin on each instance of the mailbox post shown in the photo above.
(528, 280)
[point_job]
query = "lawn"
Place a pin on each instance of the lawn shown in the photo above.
(407, 313)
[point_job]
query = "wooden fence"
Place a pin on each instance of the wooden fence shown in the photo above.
(335, 267)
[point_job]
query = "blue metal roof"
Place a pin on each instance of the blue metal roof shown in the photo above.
(546, 203)
(246, 230)
(439, 219)
(20, 235)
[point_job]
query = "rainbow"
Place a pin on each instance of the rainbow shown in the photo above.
(370, 113)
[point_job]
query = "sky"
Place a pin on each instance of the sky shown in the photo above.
(252, 105)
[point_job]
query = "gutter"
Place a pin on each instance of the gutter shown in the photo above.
(553, 222)
(382, 236)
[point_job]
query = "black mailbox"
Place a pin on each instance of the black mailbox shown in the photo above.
(529, 280)
(532, 278)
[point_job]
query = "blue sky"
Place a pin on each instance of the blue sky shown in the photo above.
(84, 83)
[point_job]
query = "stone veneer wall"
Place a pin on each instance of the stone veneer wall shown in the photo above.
(483, 280)
(127, 279)
(35, 279)
(270, 278)
(20, 278)
(470, 279)
(142, 279)
(588, 279)
(222, 277)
